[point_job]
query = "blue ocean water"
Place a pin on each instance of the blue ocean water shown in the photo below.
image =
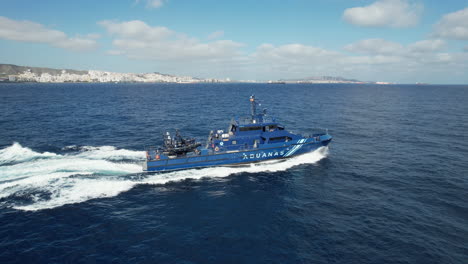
(391, 188)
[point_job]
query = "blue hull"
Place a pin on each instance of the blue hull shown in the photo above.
(262, 153)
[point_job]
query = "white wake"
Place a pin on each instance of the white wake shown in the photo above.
(48, 180)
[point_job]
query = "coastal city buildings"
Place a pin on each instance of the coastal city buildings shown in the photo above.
(14, 73)
(104, 76)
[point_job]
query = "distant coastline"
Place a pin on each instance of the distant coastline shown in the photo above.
(324, 79)
(14, 73)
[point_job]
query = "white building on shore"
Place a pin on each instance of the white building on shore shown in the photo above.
(104, 77)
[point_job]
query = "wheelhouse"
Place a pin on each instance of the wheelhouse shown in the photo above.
(250, 132)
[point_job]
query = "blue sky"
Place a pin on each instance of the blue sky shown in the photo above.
(403, 41)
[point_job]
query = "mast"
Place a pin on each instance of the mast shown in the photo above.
(253, 106)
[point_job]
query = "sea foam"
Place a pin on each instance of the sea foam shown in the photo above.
(31, 180)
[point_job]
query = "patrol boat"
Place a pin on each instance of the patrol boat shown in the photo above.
(255, 138)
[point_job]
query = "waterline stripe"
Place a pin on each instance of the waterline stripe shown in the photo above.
(295, 148)
(291, 150)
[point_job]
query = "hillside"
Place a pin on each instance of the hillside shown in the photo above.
(14, 73)
(10, 69)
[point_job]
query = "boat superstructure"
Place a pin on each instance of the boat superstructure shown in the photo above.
(255, 138)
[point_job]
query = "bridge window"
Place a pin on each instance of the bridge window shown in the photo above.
(280, 139)
(250, 128)
(270, 128)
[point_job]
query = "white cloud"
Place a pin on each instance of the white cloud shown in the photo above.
(152, 4)
(372, 59)
(136, 29)
(374, 46)
(293, 52)
(27, 31)
(293, 60)
(369, 59)
(114, 52)
(137, 40)
(93, 36)
(422, 59)
(389, 48)
(385, 13)
(428, 45)
(76, 44)
(300, 61)
(216, 34)
(453, 25)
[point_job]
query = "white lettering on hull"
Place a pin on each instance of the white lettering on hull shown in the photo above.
(263, 155)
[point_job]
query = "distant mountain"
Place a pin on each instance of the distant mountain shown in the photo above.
(332, 78)
(322, 79)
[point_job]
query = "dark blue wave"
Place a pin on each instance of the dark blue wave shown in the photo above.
(393, 188)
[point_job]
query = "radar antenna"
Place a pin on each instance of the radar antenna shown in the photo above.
(253, 106)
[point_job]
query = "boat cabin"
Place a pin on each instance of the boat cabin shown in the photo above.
(249, 132)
